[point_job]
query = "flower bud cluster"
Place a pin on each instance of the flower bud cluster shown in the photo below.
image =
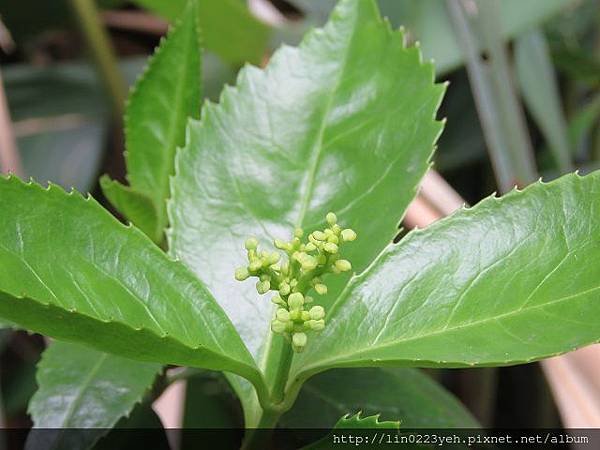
(308, 260)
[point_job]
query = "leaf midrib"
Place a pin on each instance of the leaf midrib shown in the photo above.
(341, 357)
(84, 386)
(171, 137)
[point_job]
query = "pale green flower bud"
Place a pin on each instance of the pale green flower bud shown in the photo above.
(278, 300)
(251, 243)
(331, 218)
(255, 265)
(336, 229)
(316, 325)
(308, 262)
(241, 274)
(278, 243)
(320, 289)
(310, 247)
(317, 312)
(283, 315)
(298, 232)
(319, 235)
(296, 314)
(284, 288)
(343, 265)
(296, 300)
(348, 235)
(333, 239)
(274, 258)
(330, 247)
(263, 287)
(278, 327)
(299, 341)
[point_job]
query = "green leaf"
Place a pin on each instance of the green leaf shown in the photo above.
(135, 206)
(70, 270)
(228, 28)
(82, 388)
(539, 89)
(509, 281)
(313, 132)
(353, 422)
(404, 394)
(163, 99)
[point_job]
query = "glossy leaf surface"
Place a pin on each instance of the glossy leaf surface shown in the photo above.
(80, 387)
(311, 133)
(405, 394)
(228, 28)
(163, 99)
(509, 281)
(70, 270)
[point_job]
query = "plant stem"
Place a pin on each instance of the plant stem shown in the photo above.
(10, 161)
(278, 361)
(102, 52)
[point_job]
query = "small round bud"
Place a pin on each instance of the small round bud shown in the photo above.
(255, 265)
(305, 316)
(298, 232)
(316, 325)
(283, 315)
(241, 274)
(299, 341)
(263, 287)
(333, 238)
(278, 300)
(274, 258)
(278, 326)
(251, 243)
(348, 235)
(319, 235)
(320, 289)
(331, 218)
(308, 263)
(317, 312)
(278, 243)
(336, 229)
(296, 300)
(295, 314)
(343, 265)
(310, 247)
(330, 247)
(284, 288)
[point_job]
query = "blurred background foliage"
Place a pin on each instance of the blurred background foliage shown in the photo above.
(524, 102)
